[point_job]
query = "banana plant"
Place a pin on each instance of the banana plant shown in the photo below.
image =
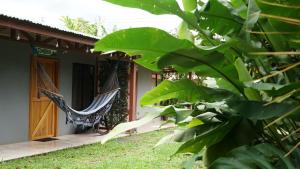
(251, 49)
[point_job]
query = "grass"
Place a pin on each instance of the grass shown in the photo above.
(134, 152)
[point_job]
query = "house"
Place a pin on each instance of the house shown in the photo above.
(24, 115)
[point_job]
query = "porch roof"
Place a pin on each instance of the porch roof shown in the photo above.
(47, 36)
(47, 30)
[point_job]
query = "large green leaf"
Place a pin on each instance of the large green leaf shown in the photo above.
(189, 5)
(247, 44)
(287, 9)
(278, 41)
(204, 62)
(224, 84)
(252, 15)
(184, 32)
(263, 156)
(275, 31)
(121, 128)
(212, 134)
(276, 91)
(150, 43)
(178, 116)
(188, 164)
(283, 89)
(186, 60)
(210, 121)
(153, 43)
(154, 6)
(218, 18)
(258, 110)
(245, 76)
(263, 86)
(239, 8)
(159, 7)
(185, 90)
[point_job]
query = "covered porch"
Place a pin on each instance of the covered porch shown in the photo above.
(21, 41)
(31, 148)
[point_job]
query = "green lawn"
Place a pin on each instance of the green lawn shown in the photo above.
(134, 152)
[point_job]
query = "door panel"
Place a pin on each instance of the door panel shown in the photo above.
(43, 112)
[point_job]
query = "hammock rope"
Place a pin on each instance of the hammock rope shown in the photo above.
(94, 113)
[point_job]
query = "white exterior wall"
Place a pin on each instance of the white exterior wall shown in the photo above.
(144, 84)
(15, 58)
(15, 61)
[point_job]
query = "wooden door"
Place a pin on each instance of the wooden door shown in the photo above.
(43, 112)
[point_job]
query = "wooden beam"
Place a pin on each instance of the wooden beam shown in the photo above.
(13, 34)
(67, 44)
(81, 51)
(45, 30)
(48, 40)
(27, 36)
(58, 44)
(190, 76)
(156, 79)
(76, 45)
(37, 38)
(132, 92)
(40, 44)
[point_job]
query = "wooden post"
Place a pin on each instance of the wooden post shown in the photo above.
(190, 76)
(156, 79)
(13, 34)
(132, 92)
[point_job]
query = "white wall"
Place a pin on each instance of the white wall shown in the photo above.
(14, 91)
(144, 84)
(15, 60)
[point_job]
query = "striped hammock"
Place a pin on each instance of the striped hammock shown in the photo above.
(94, 113)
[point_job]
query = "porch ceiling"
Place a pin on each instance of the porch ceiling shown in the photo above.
(46, 30)
(26, 31)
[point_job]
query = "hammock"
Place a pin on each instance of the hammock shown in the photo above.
(94, 113)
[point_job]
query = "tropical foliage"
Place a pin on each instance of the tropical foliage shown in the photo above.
(81, 25)
(252, 50)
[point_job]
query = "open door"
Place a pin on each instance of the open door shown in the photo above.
(42, 111)
(83, 85)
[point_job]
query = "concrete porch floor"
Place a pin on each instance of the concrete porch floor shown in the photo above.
(30, 148)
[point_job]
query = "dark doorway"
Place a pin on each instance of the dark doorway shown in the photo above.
(83, 87)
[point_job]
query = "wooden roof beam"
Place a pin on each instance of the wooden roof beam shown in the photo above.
(48, 40)
(47, 31)
(38, 38)
(13, 34)
(27, 36)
